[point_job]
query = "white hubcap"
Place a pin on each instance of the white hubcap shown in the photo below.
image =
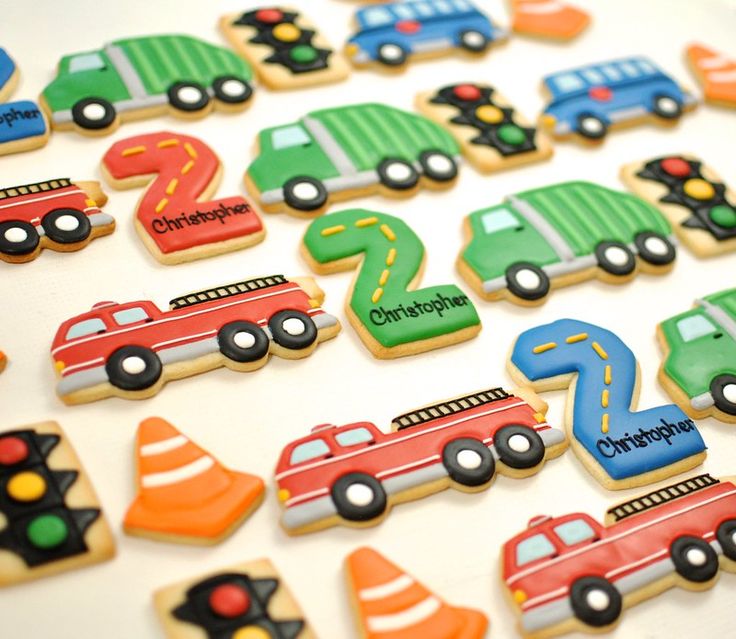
(616, 255)
(66, 223)
(398, 172)
(94, 111)
(305, 191)
(696, 557)
(519, 443)
(655, 245)
(592, 125)
(190, 95)
(469, 459)
(473, 39)
(598, 600)
(391, 52)
(667, 105)
(294, 326)
(729, 392)
(232, 88)
(439, 164)
(243, 339)
(528, 279)
(16, 235)
(359, 494)
(134, 365)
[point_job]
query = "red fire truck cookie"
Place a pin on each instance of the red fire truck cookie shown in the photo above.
(58, 214)
(131, 350)
(572, 573)
(353, 474)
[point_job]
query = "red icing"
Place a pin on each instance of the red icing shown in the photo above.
(269, 16)
(676, 167)
(12, 450)
(601, 94)
(467, 92)
(408, 26)
(229, 600)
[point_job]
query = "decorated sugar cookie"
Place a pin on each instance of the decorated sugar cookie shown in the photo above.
(620, 446)
(185, 494)
(175, 218)
(561, 234)
(9, 75)
(571, 573)
(56, 214)
(490, 132)
(131, 350)
(284, 47)
(354, 474)
(388, 602)
(588, 101)
(249, 600)
(345, 152)
(715, 72)
(700, 207)
(392, 316)
(141, 77)
(551, 19)
(52, 520)
(390, 35)
(3, 361)
(699, 367)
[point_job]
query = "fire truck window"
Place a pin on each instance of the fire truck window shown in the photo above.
(499, 220)
(130, 316)
(534, 548)
(691, 328)
(309, 450)
(288, 137)
(86, 327)
(354, 437)
(86, 62)
(573, 532)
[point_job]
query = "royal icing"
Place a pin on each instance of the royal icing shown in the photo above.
(715, 72)
(620, 446)
(3, 361)
(391, 317)
(548, 19)
(8, 75)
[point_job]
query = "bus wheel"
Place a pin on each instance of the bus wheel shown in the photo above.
(473, 41)
(591, 126)
(726, 536)
(231, 89)
(397, 174)
(359, 497)
(305, 193)
(667, 107)
(66, 226)
(392, 55)
(93, 114)
(18, 238)
(243, 342)
(615, 258)
(655, 248)
(527, 281)
(468, 462)
(723, 389)
(292, 329)
(133, 368)
(595, 601)
(694, 558)
(519, 446)
(438, 166)
(189, 97)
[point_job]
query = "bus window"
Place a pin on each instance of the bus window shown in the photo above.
(423, 9)
(376, 17)
(533, 548)
(86, 62)
(443, 6)
(130, 316)
(611, 72)
(567, 82)
(288, 137)
(593, 76)
(691, 328)
(404, 12)
(86, 327)
(573, 532)
(629, 69)
(646, 66)
(309, 450)
(354, 437)
(499, 220)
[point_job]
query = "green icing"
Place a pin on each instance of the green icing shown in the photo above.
(303, 54)
(723, 215)
(511, 134)
(389, 312)
(47, 531)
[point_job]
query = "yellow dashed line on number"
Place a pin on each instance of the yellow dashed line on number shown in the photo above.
(543, 348)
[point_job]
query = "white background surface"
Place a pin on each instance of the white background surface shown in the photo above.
(450, 541)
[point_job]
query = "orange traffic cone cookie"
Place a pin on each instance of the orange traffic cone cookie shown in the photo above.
(715, 72)
(390, 604)
(185, 494)
(548, 19)
(3, 361)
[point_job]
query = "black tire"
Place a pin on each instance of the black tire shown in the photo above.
(348, 508)
(666, 107)
(590, 612)
(655, 248)
(231, 89)
(304, 337)
(509, 452)
(722, 388)
(397, 174)
(305, 193)
(607, 255)
(133, 380)
(591, 126)
(515, 281)
(481, 466)
(66, 235)
(189, 97)
(726, 535)
(243, 342)
(391, 54)
(438, 166)
(694, 559)
(14, 242)
(473, 41)
(93, 114)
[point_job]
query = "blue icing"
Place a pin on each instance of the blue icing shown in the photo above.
(20, 120)
(636, 442)
(7, 67)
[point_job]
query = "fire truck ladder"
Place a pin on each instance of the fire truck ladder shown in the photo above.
(450, 407)
(661, 496)
(228, 290)
(38, 187)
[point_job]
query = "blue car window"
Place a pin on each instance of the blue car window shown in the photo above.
(309, 450)
(646, 66)
(629, 69)
(593, 76)
(443, 6)
(691, 328)
(567, 82)
(534, 548)
(405, 12)
(611, 72)
(573, 532)
(86, 327)
(354, 437)
(423, 9)
(499, 220)
(463, 5)
(376, 17)
(288, 137)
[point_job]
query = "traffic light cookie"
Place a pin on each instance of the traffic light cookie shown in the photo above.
(285, 49)
(715, 72)
(247, 600)
(491, 133)
(185, 494)
(700, 207)
(52, 520)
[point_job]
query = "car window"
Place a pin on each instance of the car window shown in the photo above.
(86, 62)
(85, 327)
(629, 69)
(499, 220)
(593, 76)
(573, 532)
(130, 316)
(404, 12)
(289, 136)
(691, 328)
(354, 436)
(534, 548)
(646, 66)
(567, 82)
(611, 72)
(376, 16)
(423, 9)
(443, 6)
(309, 450)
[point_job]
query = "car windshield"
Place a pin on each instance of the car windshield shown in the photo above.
(499, 220)
(376, 17)
(567, 82)
(573, 532)
(309, 450)
(85, 327)
(289, 137)
(534, 548)
(86, 62)
(691, 328)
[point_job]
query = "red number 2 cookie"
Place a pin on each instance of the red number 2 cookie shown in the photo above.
(175, 218)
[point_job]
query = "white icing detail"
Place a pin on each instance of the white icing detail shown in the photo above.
(409, 617)
(616, 255)
(729, 392)
(668, 105)
(305, 191)
(696, 557)
(440, 164)
(166, 478)
(16, 235)
(134, 365)
(722, 76)
(539, 8)
(656, 245)
(469, 459)
(591, 125)
(391, 52)
(294, 326)
(182, 339)
(527, 279)
(66, 223)
(127, 73)
(69, 369)
(715, 62)
(233, 88)
(164, 446)
(94, 111)
(399, 469)
(359, 494)
(702, 401)
(306, 496)
(474, 39)
(386, 590)
(519, 443)
(598, 600)
(398, 171)
(244, 339)
(189, 95)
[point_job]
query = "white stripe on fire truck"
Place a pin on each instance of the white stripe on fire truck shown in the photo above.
(306, 496)
(164, 446)
(75, 366)
(197, 467)
(397, 469)
(39, 199)
(182, 339)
